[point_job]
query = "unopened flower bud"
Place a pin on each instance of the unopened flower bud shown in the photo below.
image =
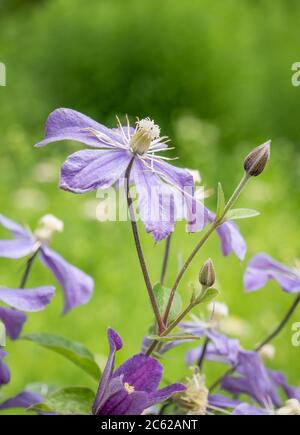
(207, 276)
(292, 407)
(48, 225)
(257, 160)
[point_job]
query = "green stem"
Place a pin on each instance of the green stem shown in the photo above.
(165, 260)
(28, 268)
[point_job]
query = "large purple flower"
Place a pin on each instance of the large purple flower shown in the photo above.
(263, 268)
(77, 285)
(29, 300)
(133, 387)
(165, 193)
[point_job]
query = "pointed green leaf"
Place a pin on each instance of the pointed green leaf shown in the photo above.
(241, 213)
(71, 350)
(162, 295)
(208, 296)
(67, 401)
(221, 201)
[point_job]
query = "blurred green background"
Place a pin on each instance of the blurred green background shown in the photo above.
(217, 77)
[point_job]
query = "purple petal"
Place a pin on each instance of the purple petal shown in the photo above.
(142, 372)
(245, 409)
(13, 321)
(89, 170)
(22, 400)
(219, 401)
(263, 268)
(15, 249)
(124, 403)
(68, 124)
(164, 394)
(16, 229)
(27, 299)
(4, 370)
(115, 344)
(77, 285)
(280, 380)
(155, 201)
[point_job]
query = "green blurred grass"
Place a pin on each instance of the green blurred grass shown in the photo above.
(218, 81)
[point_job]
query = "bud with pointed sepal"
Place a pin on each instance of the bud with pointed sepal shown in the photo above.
(257, 160)
(207, 276)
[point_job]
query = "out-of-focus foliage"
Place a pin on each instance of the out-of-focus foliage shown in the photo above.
(216, 75)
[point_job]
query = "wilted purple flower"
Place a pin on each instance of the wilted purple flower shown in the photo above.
(26, 399)
(165, 193)
(4, 370)
(230, 237)
(263, 268)
(133, 387)
(77, 285)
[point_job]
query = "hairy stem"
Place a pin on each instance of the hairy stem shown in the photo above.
(268, 340)
(140, 251)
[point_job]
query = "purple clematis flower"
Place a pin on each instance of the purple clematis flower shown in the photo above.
(4, 370)
(133, 387)
(28, 300)
(263, 268)
(230, 237)
(77, 285)
(165, 193)
(26, 399)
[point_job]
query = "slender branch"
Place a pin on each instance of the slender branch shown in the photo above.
(204, 239)
(26, 273)
(270, 338)
(165, 260)
(203, 353)
(140, 251)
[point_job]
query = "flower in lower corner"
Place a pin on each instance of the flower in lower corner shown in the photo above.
(165, 193)
(133, 387)
(263, 268)
(77, 285)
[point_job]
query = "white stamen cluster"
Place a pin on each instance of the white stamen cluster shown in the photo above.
(218, 310)
(195, 398)
(129, 388)
(146, 131)
(267, 352)
(292, 407)
(48, 226)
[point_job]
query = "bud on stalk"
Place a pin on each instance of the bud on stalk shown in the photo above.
(207, 276)
(257, 160)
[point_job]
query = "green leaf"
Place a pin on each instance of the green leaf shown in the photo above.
(241, 213)
(67, 401)
(208, 296)
(221, 201)
(162, 295)
(74, 352)
(172, 337)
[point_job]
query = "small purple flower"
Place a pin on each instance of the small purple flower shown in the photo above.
(263, 268)
(77, 285)
(165, 193)
(4, 370)
(133, 387)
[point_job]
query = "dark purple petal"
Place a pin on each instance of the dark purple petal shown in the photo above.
(17, 230)
(124, 403)
(164, 394)
(263, 268)
(245, 409)
(219, 401)
(89, 170)
(68, 124)
(4, 370)
(155, 201)
(115, 344)
(142, 372)
(280, 380)
(22, 400)
(15, 249)
(27, 299)
(13, 321)
(77, 285)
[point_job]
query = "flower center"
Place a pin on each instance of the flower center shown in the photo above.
(145, 132)
(129, 388)
(48, 226)
(292, 407)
